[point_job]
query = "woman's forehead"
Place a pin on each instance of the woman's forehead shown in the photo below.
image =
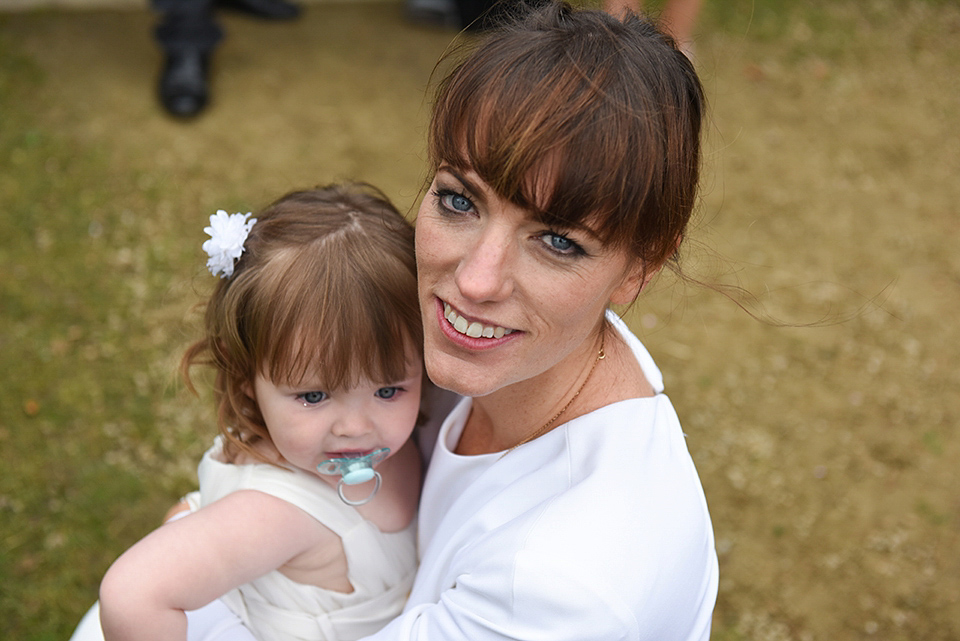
(531, 187)
(538, 207)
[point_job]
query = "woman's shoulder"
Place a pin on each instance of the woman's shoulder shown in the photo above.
(626, 369)
(628, 517)
(633, 506)
(628, 470)
(643, 358)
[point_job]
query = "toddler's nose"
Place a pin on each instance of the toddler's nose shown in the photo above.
(351, 424)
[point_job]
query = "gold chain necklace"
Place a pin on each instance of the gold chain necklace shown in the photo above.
(529, 437)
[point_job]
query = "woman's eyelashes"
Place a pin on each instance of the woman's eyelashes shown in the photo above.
(453, 201)
(560, 244)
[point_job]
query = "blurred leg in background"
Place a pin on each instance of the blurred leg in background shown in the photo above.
(678, 18)
(187, 34)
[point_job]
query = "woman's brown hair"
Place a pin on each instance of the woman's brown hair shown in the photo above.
(582, 119)
(325, 288)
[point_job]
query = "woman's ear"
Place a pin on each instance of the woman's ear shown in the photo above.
(633, 282)
(637, 276)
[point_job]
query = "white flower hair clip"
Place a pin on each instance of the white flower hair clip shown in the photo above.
(228, 233)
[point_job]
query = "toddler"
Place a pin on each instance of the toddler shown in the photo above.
(305, 523)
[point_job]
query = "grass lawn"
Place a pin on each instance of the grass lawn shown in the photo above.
(831, 189)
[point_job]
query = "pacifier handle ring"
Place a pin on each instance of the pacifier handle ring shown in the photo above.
(363, 501)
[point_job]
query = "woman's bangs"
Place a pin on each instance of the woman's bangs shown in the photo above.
(526, 145)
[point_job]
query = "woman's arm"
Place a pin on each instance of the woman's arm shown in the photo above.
(188, 563)
(540, 598)
(489, 606)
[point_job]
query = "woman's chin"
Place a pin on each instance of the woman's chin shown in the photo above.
(458, 385)
(452, 374)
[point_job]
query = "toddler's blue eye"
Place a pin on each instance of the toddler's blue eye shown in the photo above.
(387, 393)
(313, 398)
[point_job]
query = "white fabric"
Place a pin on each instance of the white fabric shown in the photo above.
(597, 530)
(380, 565)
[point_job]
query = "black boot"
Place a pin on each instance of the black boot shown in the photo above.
(184, 83)
(187, 41)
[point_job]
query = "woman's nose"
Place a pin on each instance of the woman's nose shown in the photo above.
(485, 273)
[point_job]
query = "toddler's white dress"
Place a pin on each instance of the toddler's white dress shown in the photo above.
(381, 568)
(381, 565)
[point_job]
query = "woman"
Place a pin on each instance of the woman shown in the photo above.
(560, 500)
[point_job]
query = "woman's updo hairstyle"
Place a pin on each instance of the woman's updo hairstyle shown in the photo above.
(584, 120)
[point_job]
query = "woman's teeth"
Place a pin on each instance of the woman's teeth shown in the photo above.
(473, 330)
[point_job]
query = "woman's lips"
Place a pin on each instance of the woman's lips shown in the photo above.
(473, 329)
(469, 333)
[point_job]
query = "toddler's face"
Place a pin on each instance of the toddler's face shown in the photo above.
(309, 425)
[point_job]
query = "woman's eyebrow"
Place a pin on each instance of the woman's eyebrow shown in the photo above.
(470, 185)
(566, 228)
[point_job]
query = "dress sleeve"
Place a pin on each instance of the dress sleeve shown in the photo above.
(541, 594)
(540, 604)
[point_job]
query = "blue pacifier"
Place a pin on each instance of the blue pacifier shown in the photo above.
(355, 470)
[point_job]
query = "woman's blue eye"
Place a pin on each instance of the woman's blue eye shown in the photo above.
(455, 202)
(387, 393)
(312, 398)
(560, 244)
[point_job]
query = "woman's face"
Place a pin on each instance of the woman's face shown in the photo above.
(505, 299)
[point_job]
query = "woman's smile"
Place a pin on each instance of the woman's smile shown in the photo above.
(472, 328)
